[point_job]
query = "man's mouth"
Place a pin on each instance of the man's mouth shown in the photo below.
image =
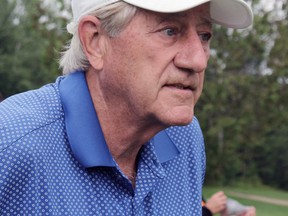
(179, 86)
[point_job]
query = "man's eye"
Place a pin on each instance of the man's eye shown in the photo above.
(170, 31)
(205, 36)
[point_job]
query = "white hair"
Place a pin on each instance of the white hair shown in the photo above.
(113, 17)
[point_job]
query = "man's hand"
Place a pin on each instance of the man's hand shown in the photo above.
(217, 202)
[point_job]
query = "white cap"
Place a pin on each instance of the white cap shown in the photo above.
(228, 13)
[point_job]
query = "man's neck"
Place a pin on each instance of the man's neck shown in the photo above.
(124, 134)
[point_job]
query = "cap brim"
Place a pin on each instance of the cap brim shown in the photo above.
(166, 6)
(229, 13)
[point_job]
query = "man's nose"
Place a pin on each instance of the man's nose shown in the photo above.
(193, 54)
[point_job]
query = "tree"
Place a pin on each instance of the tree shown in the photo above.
(243, 108)
(29, 46)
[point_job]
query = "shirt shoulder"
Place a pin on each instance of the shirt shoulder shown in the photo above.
(26, 112)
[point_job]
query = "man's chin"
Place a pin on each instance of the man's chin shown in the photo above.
(181, 120)
(177, 116)
(183, 123)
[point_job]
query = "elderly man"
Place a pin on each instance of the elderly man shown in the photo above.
(99, 140)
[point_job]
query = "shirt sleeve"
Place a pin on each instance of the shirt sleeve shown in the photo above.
(206, 211)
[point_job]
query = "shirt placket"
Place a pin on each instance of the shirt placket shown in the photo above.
(150, 172)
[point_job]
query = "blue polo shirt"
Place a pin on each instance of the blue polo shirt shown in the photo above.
(54, 160)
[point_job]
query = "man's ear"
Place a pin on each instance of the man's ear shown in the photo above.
(92, 40)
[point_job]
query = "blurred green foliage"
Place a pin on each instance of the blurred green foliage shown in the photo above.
(244, 105)
(29, 48)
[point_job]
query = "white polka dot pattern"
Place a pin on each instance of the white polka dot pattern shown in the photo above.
(40, 176)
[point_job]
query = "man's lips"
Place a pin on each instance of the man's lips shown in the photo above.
(180, 86)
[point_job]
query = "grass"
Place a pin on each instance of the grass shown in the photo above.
(263, 209)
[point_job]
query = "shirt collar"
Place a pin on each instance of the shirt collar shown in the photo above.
(84, 131)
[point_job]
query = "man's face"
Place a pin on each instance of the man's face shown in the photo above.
(155, 68)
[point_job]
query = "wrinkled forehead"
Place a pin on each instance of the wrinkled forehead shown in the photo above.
(200, 13)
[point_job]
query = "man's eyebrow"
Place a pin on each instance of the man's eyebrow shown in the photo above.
(206, 22)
